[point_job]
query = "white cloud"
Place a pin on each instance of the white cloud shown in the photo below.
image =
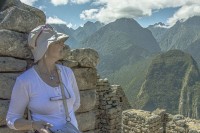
(59, 2)
(42, 7)
(65, 2)
(29, 2)
(110, 10)
(89, 14)
(55, 20)
(70, 25)
(184, 13)
(80, 1)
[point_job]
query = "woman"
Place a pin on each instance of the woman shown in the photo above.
(38, 88)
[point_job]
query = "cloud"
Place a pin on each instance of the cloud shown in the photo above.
(110, 10)
(80, 1)
(59, 2)
(42, 7)
(184, 13)
(55, 20)
(70, 25)
(89, 14)
(29, 2)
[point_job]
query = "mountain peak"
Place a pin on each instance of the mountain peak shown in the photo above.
(159, 24)
(126, 20)
(88, 23)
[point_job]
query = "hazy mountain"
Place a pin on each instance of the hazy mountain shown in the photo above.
(180, 36)
(169, 84)
(183, 35)
(121, 43)
(88, 29)
(194, 50)
(62, 28)
(158, 29)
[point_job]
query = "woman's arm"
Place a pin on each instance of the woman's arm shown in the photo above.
(22, 124)
(76, 91)
(18, 103)
(40, 126)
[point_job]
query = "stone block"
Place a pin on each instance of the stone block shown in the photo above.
(4, 104)
(88, 100)
(8, 130)
(92, 131)
(86, 57)
(14, 44)
(21, 18)
(86, 78)
(7, 81)
(9, 3)
(86, 121)
(69, 63)
(9, 64)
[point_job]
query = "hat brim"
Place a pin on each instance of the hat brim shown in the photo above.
(60, 38)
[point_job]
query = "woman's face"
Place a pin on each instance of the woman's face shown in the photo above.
(55, 51)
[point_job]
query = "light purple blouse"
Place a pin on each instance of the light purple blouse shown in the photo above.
(32, 92)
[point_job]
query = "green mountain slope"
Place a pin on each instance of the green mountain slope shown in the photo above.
(167, 83)
(121, 43)
(194, 50)
(131, 77)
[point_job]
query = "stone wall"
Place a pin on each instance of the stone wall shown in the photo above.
(158, 121)
(180, 124)
(109, 114)
(139, 121)
(86, 76)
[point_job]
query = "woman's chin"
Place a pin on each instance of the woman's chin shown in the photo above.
(61, 56)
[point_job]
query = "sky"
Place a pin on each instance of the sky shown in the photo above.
(75, 13)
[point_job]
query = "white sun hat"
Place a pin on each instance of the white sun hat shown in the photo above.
(41, 37)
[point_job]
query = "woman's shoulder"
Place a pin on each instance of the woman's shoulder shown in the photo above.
(26, 75)
(64, 68)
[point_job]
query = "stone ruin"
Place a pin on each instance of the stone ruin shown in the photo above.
(104, 107)
(158, 121)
